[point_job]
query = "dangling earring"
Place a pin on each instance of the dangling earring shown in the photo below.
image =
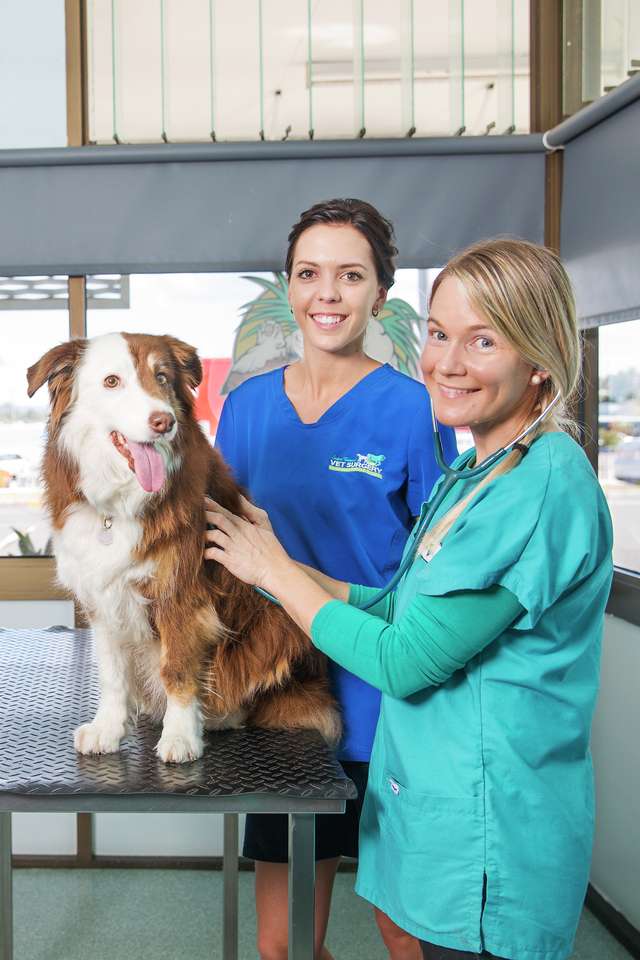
(375, 312)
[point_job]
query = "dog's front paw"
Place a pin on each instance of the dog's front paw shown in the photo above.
(179, 748)
(98, 737)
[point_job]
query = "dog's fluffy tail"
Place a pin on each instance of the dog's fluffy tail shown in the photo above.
(300, 706)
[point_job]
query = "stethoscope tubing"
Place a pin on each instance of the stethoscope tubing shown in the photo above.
(451, 477)
(423, 525)
(448, 483)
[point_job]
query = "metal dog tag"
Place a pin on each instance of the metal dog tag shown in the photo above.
(105, 535)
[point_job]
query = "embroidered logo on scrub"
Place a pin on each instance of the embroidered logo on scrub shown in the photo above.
(369, 463)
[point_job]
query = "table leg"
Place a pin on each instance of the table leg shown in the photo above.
(302, 881)
(6, 889)
(230, 894)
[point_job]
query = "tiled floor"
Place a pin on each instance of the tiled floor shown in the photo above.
(176, 915)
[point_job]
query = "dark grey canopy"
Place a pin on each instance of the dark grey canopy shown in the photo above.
(208, 207)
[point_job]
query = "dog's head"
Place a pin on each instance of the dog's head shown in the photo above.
(120, 399)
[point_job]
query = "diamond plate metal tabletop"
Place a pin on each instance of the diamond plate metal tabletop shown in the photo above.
(48, 686)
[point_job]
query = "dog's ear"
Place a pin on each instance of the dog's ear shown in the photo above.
(187, 359)
(55, 366)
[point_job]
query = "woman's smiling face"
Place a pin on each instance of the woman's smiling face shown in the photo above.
(474, 376)
(333, 287)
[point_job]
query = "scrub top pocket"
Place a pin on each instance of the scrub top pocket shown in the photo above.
(435, 850)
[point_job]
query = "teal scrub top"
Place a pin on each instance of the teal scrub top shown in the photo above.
(477, 826)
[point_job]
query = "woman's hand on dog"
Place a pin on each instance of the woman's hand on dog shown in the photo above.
(255, 515)
(249, 510)
(249, 549)
(246, 546)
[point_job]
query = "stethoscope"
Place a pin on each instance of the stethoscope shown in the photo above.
(451, 477)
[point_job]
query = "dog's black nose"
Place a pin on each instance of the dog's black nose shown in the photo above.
(161, 422)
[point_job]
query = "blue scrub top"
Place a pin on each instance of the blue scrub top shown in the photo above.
(342, 493)
(484, 785)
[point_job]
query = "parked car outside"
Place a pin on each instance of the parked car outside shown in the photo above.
(14, 469)
(626, 460)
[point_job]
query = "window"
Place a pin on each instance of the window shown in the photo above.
(601, 48)
(294, 70)
(34, 317)
(32, 67)
(619, 435)
(223, 315)
(26, 332)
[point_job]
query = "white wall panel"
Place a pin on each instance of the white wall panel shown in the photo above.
(44, 834)
(616, 757)
(160, 834)
(29, 614)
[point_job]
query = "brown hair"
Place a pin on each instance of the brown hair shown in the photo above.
(375, 228)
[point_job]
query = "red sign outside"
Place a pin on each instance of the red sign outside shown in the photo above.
(209, 400)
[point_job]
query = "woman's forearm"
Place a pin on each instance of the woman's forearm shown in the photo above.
(338, 589)
(435, 637)
(301, 592)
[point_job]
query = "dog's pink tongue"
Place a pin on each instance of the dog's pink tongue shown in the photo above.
(149, 465)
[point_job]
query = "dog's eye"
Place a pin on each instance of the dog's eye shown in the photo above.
(162, 378)
(111, 381)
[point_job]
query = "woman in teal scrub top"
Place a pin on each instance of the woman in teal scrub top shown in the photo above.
(478, 819)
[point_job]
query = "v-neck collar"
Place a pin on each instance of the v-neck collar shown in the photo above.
(336, 408)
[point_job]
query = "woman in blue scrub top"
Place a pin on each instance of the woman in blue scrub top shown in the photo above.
(324, 445)
(477, 825)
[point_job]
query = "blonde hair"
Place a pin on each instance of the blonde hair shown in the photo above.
(524, 292)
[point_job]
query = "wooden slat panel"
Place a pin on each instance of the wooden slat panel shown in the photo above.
(588, 413)
(553, 200)
(76, 73)
(546, 50)
(546, 64)
(84, 832)
(77, 307)
(29, 578)
(572, 92)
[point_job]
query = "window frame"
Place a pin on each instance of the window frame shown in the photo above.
(624, 599)
(33, 578)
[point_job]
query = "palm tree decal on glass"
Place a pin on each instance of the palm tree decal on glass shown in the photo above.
(268, 336)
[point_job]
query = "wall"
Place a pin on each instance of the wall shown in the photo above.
(616, 755)
(23, 614)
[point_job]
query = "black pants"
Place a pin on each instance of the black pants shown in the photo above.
(431, 952)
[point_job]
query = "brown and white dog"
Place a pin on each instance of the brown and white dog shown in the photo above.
(126, 469)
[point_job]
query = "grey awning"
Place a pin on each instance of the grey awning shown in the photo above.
(600, 227)
(202, 207)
